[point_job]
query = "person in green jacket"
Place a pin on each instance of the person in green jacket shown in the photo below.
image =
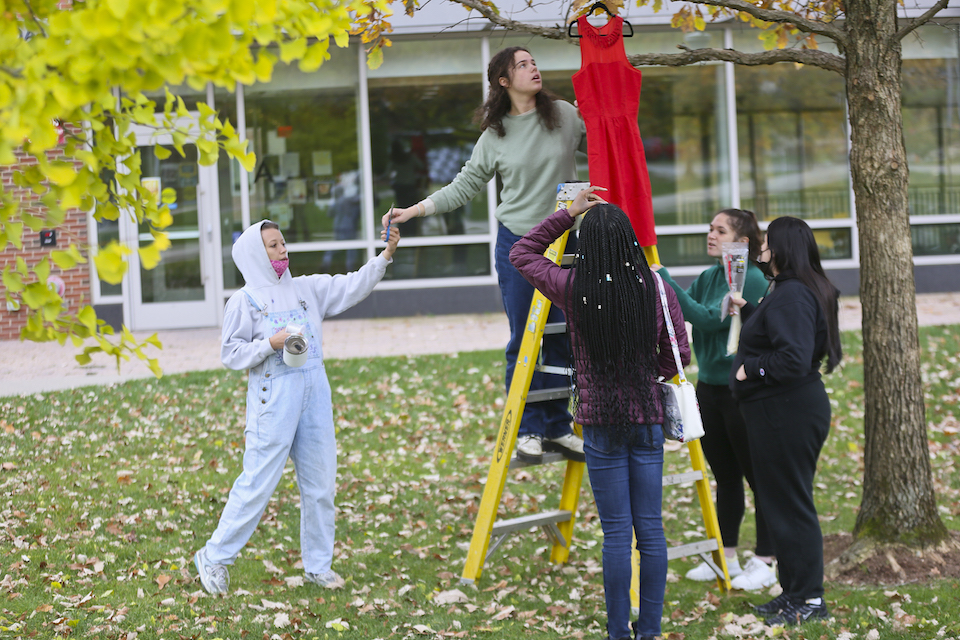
(725, 441)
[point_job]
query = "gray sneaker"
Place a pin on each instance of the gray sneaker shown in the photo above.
(328, 579)
(214, 577)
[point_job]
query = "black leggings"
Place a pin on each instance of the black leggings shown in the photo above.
(728, 452)
(786, 433)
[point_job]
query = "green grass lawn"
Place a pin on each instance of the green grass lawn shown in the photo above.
(107, 493)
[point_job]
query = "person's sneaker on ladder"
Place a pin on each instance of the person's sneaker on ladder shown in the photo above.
(530, 448)
(570, 445)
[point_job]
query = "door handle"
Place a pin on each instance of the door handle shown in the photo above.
(209, 233)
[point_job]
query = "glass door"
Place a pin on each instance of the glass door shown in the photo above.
(183, 289)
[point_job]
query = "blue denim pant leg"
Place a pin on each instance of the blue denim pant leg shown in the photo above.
(550, 419)
(637, 472)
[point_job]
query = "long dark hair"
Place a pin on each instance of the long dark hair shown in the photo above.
(793, 248)
(744, 224)
(612, 298)
(497, 105)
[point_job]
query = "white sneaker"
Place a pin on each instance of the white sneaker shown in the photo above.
(215, 578)
(530, 448)
(703, 573)
(328, 579)
(569, 445)
(757, 574)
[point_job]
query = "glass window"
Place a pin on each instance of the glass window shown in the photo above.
(792, 142)
(935, 239)
(229, 176)
(304, 130)
(931, 127)
(422, 132)
(444, 261)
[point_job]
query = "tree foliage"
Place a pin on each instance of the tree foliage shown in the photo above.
(75, 79)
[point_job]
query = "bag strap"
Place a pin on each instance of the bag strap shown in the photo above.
(668, 319)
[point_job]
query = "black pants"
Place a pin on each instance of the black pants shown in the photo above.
(786, 433)
(728, 452)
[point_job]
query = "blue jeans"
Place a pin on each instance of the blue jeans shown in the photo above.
(549, 419)
(628, 489)
(289, 414)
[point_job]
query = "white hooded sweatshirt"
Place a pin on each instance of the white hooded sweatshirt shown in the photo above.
(268, 304)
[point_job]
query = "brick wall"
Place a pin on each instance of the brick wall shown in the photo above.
(74, 229)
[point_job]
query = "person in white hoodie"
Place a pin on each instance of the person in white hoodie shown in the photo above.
(289, 408)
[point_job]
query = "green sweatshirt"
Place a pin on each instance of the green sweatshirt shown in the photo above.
(701, 308)
(531, 161)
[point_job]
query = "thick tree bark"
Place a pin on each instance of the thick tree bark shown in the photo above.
(898, 499)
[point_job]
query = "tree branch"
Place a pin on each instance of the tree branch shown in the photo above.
(812, 57)
(922, 20)
(782, 17)
(553, 33)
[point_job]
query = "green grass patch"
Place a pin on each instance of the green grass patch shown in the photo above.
(108, 491)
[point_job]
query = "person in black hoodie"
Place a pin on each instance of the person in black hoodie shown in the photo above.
(776, 378)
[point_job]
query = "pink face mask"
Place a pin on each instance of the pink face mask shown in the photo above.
(279, 266)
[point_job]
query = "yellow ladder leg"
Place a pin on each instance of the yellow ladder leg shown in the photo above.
(507, 437)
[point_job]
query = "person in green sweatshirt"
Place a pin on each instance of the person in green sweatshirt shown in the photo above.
(528, 139)
(725, 441)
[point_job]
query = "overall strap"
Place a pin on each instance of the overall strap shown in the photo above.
(260, 307)
(667, 318)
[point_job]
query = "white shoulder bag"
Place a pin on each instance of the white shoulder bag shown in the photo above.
(681, 412)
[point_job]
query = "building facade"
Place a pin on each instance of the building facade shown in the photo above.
(337, 147)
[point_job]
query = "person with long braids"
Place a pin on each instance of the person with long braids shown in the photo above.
(529, 138)
(620, 346)
(776, 378)
(725, 438)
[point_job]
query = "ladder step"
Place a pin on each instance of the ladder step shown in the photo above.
(692, 549)
(543, 395)
(549, 457)
(502, 527)
(554, 327)
(560, 371)
(682, 478)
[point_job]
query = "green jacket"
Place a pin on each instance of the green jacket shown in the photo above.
(701, 308)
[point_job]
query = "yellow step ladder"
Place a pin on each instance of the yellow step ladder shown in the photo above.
(489, 534)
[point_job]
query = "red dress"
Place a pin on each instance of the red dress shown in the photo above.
(608, 94)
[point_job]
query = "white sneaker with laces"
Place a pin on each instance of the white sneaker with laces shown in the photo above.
(530, 448)
(328, 579)
(703, 573)
(215, 578)
(757, 574)
(569, 445)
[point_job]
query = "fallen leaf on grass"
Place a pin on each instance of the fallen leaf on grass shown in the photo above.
(450, 597)
(162, 581)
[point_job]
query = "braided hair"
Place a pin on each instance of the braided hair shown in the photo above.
(612, 298)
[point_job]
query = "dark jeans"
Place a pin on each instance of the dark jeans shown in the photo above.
(627, 486)
(786, 433)
(728, 452)
(550, 419)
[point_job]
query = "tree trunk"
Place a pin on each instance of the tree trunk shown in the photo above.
(898, 499)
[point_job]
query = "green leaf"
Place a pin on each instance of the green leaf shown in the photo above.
(161, 152)
(110, 263)
(12, 281)
(149, 256)
(35, 295)
(375, 58)
(63, 259)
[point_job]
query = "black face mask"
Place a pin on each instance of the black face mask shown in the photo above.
(765, 268)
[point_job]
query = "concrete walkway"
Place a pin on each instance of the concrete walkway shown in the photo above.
(27, 368)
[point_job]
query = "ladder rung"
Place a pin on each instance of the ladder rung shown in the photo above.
(523, 523)
(560, 371)
(692, 549)
(542, 395)
(549, 457)
(682, 478)
(554, 327)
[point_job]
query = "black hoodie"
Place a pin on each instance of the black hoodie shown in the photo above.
(782, 342)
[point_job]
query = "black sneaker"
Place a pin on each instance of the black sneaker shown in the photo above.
(774, 606)
(799, 612)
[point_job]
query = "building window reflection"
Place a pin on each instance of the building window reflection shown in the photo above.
(792, 142)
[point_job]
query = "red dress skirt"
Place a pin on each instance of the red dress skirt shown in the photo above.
(608, 94)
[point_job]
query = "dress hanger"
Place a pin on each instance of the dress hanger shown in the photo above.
(598, 5)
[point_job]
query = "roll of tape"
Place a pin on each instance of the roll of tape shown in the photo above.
(295, 351)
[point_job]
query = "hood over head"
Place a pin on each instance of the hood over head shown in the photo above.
(251, 259)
